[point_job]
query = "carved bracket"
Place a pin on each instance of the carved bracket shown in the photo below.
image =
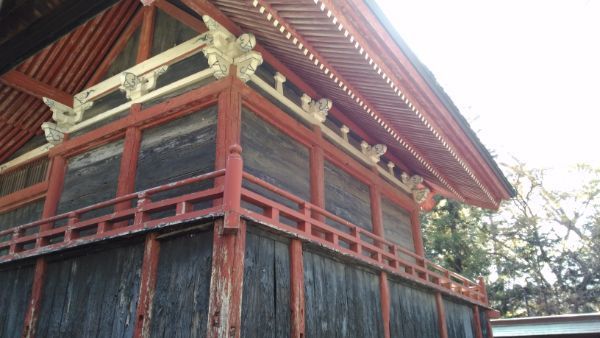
(414, 183)
(279, 81)
(54, 133)
(317, 109)
(411, 181)
(64, 115)
(373, 152)
(136, 86)
(224, 49)
(420, 194)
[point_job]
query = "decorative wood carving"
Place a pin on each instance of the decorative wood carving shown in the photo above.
(420, 195)
(224, 49)
(319, 109)
(64, 115)
(373, 152)
(391, 167)
(54, 133)
(136, 86)
(411, 181)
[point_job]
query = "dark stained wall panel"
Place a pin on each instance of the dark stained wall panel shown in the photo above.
(169, 32)
(93, 295)
(15, 291)
(341, 300)
(274, 157)
(483, 320)
(180, 305)
(91, 178)
(347, 197)
(24, 214)
(413, 312)
(179, 149)
(266, 297)
(397, 225)
(459, 319)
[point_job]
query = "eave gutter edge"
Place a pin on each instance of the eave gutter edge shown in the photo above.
(426, 74)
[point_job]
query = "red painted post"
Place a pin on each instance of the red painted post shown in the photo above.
(146, 34)
(439, 302)
(226, 283)
(55, 185)
(384, 291)
(232, 191)
(317, 171)
(378, 229)
(227, 274)
(297, 289)
(415, 222)
(483, 290)
(477, 322)
(147, 285)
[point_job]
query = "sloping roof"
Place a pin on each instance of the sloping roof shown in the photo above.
(564, 325)
(346, 51)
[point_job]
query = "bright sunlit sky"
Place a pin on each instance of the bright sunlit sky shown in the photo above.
(525, 74)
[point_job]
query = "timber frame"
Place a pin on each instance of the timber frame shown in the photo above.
(233, 58)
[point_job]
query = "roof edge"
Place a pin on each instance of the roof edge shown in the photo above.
(430, 80)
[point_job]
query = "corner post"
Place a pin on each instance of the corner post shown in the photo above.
(55, 185)
(227, 272)
(477, 322)
(232, 190)
(439, 303)
(378, 229)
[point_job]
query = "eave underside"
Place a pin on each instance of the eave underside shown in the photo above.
(372, 103)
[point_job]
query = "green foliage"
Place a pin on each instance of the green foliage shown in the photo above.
(540, 253)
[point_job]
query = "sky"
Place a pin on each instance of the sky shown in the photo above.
(525, 73)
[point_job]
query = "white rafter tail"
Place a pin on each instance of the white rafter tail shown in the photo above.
(279, 81)
(64, 115)
(54, 133)
(136, 86)
(391, 167)
(345, 131)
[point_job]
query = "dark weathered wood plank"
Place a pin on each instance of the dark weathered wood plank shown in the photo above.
(341, 300)
(347, 197)
(413, 311)
(459, 319)
(397, 224)
(180, 305)
(266, 298)
(92, 295)
(15, 290)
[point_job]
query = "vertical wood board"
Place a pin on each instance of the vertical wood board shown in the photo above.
(413, 312)
(459, 319)
(15, 291)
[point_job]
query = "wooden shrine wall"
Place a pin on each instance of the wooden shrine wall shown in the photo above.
(397, 224)
(266, 297)
(413, 311)
(180, 304)
(93, 294)
(459, 319)
(91, 178)
(347, 197)
(273, 156)
(342, 300)
(15, 289)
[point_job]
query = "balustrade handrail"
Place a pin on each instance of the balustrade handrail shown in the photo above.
(142, 194)
(380, 246)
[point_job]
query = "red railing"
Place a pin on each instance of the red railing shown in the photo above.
(313, 223)
(49, 234)
(306, 221)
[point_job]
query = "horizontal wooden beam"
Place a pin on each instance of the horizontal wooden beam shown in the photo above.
(35, 88)
(182, 16)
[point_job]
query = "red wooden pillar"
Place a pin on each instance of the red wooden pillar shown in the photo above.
(415, 221)
(439, 302)
(147, 285)
(378, 229)
(297, 289)
(55, 186)
(477, 322)
(227, 274)
(146, 34)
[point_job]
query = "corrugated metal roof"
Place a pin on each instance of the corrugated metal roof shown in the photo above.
(547, 325)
